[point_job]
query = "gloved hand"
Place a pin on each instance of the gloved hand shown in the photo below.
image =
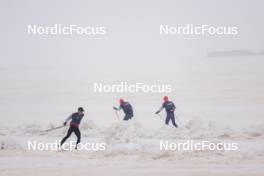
(157, 112)
(115, 108)
(65, 123)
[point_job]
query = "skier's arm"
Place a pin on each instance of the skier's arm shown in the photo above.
(174, 107)
(160, 109)
(117, 109)
(69, 118)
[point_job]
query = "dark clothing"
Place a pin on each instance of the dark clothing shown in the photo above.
(128, 117)
(77, 132)
(170, 116)
(169, 106)
(128, 110)
(76, 119)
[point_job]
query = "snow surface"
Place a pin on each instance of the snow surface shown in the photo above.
(133, 150)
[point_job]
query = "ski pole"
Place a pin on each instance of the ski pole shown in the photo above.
(115, 109)
(55, 128)
(161, 117)
(164, 121)
(117, 116)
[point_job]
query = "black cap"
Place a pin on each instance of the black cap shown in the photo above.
(80, 109)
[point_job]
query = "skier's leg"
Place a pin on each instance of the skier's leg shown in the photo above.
(127, 117)
(173, 120)
(70, 130)
(167, 120)
(78, 134)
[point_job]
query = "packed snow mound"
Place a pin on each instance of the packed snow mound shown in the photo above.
(124, 138)
(130, 138)
(132, 130)
(197, 129)
(8, 143)
(90, 129)
(121, 132)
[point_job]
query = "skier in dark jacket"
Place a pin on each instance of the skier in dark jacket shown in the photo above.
(76, 119)
(170, 108)
(127, 109)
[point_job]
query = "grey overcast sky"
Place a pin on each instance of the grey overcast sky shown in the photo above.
(132, 32)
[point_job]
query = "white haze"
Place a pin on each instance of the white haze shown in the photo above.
(44, 78)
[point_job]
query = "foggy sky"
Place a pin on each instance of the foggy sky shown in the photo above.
(132, 38)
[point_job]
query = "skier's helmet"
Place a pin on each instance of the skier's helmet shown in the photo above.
(165, 98)
(121, 100)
